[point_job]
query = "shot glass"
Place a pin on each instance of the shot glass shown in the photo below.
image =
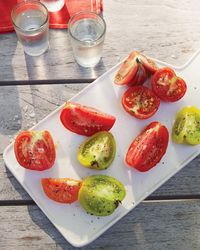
(87, 32)
(31, 23)
(53, 5)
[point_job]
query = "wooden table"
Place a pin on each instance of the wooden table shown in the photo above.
(170, 218)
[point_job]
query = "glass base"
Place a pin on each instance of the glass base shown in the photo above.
(35, 52)
(86, 64)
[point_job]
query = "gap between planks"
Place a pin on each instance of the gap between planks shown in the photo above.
(45, 82)
(151, 199)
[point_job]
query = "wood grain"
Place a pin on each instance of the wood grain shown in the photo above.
(167, 30)
(151, 225)
(23, 106)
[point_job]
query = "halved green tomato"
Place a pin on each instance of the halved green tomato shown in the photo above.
(100, 195)
(98, 151)
(186, 128)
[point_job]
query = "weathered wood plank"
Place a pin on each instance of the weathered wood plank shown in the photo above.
(167, 30)
(152, 225)
(23, 106)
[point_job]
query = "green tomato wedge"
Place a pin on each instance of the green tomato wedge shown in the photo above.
(98, 151)
(100, 195)
(186, 128)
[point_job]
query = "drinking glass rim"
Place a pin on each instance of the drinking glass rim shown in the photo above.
(23, 3)
(85, 12)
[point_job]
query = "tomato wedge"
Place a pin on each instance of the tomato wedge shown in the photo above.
(85, 120)
(186, 128)
(148, 147)
(140, 102)
(140, 77)
(167, 85)
(63, 190)
(135, 70)
(35, 150)
(98, 151)
(128, 70)
(149, 64)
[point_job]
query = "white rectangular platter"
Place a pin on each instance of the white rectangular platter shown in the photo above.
(72, 221)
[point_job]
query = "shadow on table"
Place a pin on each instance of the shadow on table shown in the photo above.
(9, 98)
(112, 239)
(58, 62)
(40, 219)
(10, 110)
(16, 186)
(8, 53)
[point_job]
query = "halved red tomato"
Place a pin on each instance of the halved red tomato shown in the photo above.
(148, 147)
(135, 69)
(167, 85)
(63, 190)
(85, 120)
(35, 150)
(141, 102)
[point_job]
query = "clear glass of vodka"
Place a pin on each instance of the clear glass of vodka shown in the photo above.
(87, 32)
(31, 22)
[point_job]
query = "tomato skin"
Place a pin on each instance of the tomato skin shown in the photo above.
(140, 102)
(63, 190)
(167, 86)
(85, 120)
(35, 150)
(148, 148)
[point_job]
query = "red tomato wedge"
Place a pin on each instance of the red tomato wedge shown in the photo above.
(135, 69)
(167, 85)
(148, 147)
(140, 77)
(140, 102)
(35, 150)
(127, 70)
(63, 190)
(149, 64)
(85, 120)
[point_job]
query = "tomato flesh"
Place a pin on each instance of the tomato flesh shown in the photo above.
(140, 102)
(63, 190)
(148, 147)
(35, 150)
(167, 85)
(85, 120)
